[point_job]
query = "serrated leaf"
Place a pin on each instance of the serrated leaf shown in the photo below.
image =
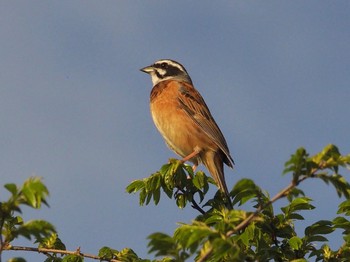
(127, 255)
(107, 253)
(34, 192)
(52, 241)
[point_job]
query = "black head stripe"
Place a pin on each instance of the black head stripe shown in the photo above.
(173, 71)
(169, 69)
(159, 75)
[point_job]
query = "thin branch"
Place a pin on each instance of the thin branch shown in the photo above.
(205, 255)
(196, 206)
(57, 251)
(279, 195)
(193, 202)
(246, 221)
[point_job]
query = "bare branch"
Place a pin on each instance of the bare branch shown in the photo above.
(57, 251)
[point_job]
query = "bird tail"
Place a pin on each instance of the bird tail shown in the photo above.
(214, 163)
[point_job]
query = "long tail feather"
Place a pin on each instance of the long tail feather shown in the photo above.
(214, 163)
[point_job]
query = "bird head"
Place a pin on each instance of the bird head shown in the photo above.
(166, 69)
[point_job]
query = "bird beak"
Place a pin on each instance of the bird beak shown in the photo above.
(147, 69)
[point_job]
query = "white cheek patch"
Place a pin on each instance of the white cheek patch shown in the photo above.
(155, 79)
(158, 76)
(161, 71)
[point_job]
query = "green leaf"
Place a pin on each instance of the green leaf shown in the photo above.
(16, 259)
(294, 193)
(39, 229)
(156, 195)
(295, 216)
(298, 164)
(295, 243)
(248, 234)
(214, 218)
(34, 192)
(223, 250)
(316, 238)
(13, 190)
(162, 244)
(244, 190)
(343, 223)
(331, 158)
(52, 241)
(127, 255)
(142, 199)
(73, 258)
(180, 200)
(190, 236)
(319, 228)
(107, 253)
(340, 184)
(200, 181)
(344, 208)
(297, 204)
(135, 186)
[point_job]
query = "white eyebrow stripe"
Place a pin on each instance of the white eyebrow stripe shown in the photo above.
(171, 63)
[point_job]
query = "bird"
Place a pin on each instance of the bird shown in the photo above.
(183, 119)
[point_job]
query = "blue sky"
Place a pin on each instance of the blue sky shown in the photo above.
(74, 105)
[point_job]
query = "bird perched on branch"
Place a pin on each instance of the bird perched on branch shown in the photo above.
(184, 120)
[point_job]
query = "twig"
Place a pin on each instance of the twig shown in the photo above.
(196, 206)
(246, 221)
(205, 255)
(279, 195)
(57, 251)
(194, 203)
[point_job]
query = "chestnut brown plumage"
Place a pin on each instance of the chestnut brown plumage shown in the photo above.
(184, 120)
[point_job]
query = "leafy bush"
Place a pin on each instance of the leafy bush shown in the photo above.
(217, 233)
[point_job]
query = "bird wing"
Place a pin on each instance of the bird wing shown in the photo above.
(194, 105)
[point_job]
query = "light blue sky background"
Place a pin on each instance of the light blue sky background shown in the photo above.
(74, 105)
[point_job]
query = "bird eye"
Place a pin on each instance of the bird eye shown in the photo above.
(164, 65)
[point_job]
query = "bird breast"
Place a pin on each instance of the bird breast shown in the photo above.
(179, 131)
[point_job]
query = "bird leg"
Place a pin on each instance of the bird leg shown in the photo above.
(190, 156)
